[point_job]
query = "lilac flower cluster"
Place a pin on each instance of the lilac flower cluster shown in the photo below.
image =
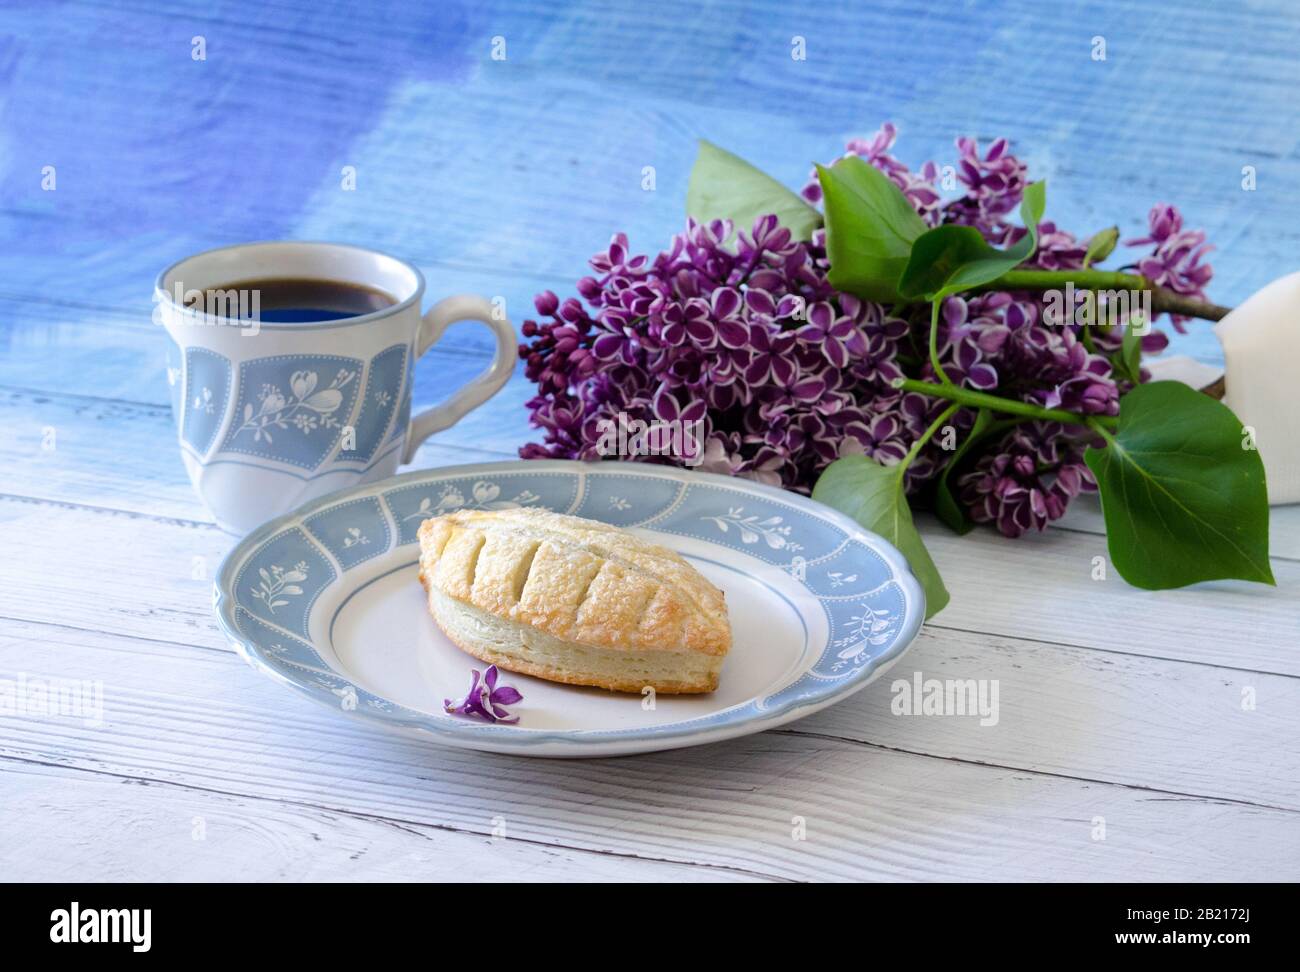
(1028, 480)
(785, 374)
(1176, 262)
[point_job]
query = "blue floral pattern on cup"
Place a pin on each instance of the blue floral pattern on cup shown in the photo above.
(292, 408)
(175, 381)
(203, 403)
(384, 389)
(404, 412)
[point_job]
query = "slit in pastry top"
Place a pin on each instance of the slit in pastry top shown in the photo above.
(574, 578)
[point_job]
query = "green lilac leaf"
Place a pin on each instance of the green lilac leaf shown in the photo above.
(1129, 362)
(1182, 499)
(950, 259)
(870, 229)
(946, 507)
(872, 495)
(725, 186)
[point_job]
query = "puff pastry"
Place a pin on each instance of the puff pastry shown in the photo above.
(573, 600)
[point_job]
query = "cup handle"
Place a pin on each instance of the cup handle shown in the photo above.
(461, 307)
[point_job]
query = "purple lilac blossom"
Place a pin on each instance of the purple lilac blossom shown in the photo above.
(786, 374)
(1176, 262)
(918, 187)
(485, 699)
(1027, 480)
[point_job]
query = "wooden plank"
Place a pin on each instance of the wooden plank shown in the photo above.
(1041, 587)
(202, 720)
(77, 825)
(1092, 715)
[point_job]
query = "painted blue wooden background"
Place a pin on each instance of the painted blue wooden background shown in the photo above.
(503, 176)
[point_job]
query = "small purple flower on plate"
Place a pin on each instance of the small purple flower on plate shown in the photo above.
(485, 698)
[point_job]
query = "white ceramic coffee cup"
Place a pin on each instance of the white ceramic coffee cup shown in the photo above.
(270, 415)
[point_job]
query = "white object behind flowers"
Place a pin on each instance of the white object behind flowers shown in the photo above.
(1261, 351)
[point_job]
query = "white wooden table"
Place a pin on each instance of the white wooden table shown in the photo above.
(1141, 736)
(1123, 749)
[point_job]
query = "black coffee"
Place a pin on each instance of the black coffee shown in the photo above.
(293, 300)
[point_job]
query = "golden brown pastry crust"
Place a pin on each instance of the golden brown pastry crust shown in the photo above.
(575, 579)
(553, 674)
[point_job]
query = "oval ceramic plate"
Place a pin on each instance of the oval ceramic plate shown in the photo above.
(327, 601)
